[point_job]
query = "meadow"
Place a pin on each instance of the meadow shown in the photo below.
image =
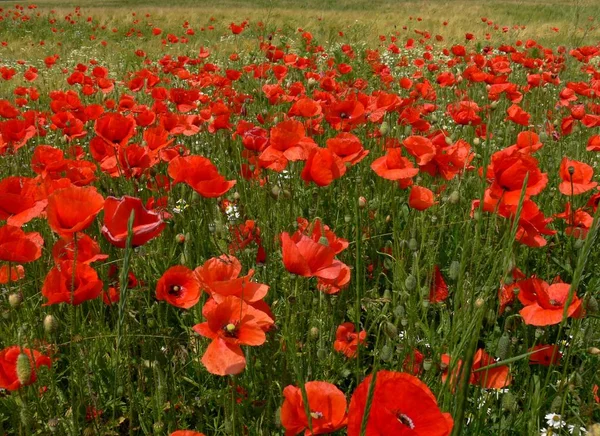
(299, 217)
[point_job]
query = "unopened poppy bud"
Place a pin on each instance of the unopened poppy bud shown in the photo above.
(413, 245)
(454, 197)
(391, 330)
(23, 368)
(427, 363)
(539, 333)
(494, 104)
(591, 306)
(509, 403)
(275, 191)
(311, 82)
(388, 219)
(362, 202)
(503, 346)
(578, 244)
(408, 130)
(347, 218)
(593, 351)
(479, 302)
(314, 333)
(556, 404)
(384, 128)
(399, 311)
(15, 300)
(322, 353)
(386, 353)
(287, 194)
(50, 324)
(180, 238)
(476, 141)
(404, 322)
(448, 140)
(454, 270)
(410, 283)
(236, 195)
(443, 366)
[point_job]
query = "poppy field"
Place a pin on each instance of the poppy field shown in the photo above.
(259, 220)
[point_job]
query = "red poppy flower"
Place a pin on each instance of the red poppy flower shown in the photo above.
(186, 433)
(318, 230)
(323, 167)
(71, 283)
(201, 174)
(489, 378)
(219, 277)
(87, 250)
(579, 222)
(72, 210)
(517, 115)
(439, 289)
(8, 366)
(347, 341)
(307, 258)
(230, 324)
(115, 128)
(509, 169)
(579, 181)
(401, 405)
(421, 148)
(420, 198)
(18, 246)
(544, 303)
(545, 355)
(327, 405)
(348, 147)
(413, 362)
(593, 143)
(288, 142)
(333, 286)
(18, 203)
(117, 211)
(16, 273)
(393, 166)
(179, 287)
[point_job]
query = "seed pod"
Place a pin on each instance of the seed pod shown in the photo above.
(322, 353)
(15, 300)
(275, 191)
(314, 333)
(410, 283)
(23, 369)
(427, 363)
(287, 194)
(50, 324)
(503, 346)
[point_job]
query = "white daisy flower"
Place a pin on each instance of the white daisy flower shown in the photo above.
(554, 420)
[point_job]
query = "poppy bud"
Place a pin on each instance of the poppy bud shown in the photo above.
(391, 330)
(408, 130)
(476, 141)
(347, 218)
(388, 219)
(386, 353)
(591, 306)
(311, 82)
(322, 354)
(578, 244)
(50, 324)
(410, 283)
(479, 302)
(454, 197)
(413, 245)
(509, 403)
(236, 196)
(454, 270)
(404, 322)
(556, 404)
(448, 140)
(23, 368)
(503, 346)
(180, 238)
(384, 128)
(362, 202)
(593, 351)
(399, 311)
(287, 194)
(314, 333)
(387, 294)
(15, 300)
(275, 191)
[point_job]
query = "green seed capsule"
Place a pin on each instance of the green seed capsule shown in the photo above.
(384, 128)
(413, 245)
(454, 270)
(390, 330)
(50, 324)
(592, 305)
(503, 346)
